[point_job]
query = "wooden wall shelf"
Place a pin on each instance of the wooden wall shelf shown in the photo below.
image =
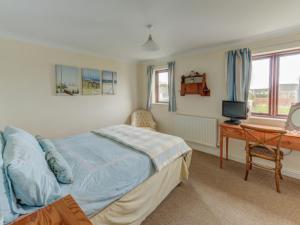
(194, 83)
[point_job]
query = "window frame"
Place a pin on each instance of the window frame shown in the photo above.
(274, 81)
(157, 72)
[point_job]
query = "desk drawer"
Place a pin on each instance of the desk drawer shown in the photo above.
(233, 132)
(290, 142)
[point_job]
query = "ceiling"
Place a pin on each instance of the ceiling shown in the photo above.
(117, 28)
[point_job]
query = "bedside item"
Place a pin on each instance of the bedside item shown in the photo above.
(259, 142)
(63, 211)
(235, 111)
(144, 119)
(194, 84)
(56, 162)
(293, 121)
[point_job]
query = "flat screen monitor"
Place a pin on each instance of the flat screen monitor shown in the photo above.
(234, 110)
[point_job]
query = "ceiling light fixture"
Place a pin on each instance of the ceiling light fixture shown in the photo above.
(150, 45)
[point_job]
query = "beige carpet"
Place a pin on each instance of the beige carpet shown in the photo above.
(215, 197)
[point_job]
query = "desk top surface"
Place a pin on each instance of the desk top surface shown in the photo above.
(294, 134)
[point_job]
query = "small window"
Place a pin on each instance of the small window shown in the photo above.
(275, 83)
(161, 86)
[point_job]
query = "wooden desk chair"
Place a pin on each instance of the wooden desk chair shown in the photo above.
(258, 142)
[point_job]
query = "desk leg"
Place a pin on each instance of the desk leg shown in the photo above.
(226, 147)
(221, 149)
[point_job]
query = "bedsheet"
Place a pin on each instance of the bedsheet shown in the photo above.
(104, 170)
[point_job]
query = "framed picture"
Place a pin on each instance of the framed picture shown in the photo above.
(91, 82)
(109, 82)
(67, 80)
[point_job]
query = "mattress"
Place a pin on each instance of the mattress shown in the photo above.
(104, 170)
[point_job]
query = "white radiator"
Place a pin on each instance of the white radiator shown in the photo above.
(196, 129)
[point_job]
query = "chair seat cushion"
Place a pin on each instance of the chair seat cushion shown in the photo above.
(262, 151)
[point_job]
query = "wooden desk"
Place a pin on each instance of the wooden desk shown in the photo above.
(288, 141)
(64, 211)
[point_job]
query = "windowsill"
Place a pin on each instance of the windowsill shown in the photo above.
(267, 118)
(268, 121)
(160, 103)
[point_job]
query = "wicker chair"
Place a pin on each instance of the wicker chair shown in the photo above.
(259, 142)
(144, 119)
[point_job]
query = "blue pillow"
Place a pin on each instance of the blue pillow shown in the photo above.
(5, 208)
(28, 175)
(56, 162)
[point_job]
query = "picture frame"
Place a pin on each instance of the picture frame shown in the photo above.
(91, 81)
(68, 80)
(109, 82)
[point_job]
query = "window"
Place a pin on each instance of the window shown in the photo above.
(161, 86)
(275, 83)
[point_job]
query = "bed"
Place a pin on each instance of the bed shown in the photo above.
(115, 183)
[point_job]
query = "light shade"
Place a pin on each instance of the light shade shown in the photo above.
(150, 45)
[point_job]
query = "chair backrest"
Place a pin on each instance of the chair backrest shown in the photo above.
(263, 136)
(141, 118)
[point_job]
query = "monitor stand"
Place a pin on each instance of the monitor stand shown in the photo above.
(233, 121)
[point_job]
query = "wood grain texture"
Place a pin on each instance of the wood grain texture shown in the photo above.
(62, 212)
(288, 140)
(257, 139)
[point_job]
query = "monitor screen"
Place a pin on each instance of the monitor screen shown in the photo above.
(235, 110)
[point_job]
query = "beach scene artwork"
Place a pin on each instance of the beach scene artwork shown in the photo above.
(109, 82)
(91, 82)
(68, 80)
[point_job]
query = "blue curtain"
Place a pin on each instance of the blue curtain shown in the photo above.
(149, 86)
(172, 91)
(239, 65)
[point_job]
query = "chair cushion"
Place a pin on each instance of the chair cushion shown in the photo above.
(262, 151)
(56, 162)
(27, 172)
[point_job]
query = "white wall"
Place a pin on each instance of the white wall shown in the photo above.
(212, 62)
(27, 91)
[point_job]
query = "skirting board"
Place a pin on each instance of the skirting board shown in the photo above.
(215, 151)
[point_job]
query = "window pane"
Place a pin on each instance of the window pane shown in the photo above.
(289, 80)
(163, 94)
(259, 87)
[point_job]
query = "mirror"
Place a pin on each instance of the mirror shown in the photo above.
(296, 118)
(293, 121)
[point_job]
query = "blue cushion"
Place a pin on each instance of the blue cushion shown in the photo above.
(56, 162)
(28, 175)
(5, 209)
